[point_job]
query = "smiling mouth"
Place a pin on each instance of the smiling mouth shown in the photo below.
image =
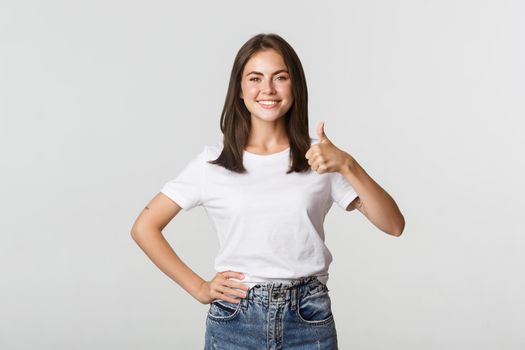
(268, 104)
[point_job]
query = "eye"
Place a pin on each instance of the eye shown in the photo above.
(253, 79)
(283, 77)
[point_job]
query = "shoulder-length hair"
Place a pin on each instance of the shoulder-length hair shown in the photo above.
(235, 120)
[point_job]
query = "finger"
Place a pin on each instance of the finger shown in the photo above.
(239, 285)
(239, 289)
(315, 159)
(318, 163)
(228, 299)
(231, 293)
(225, 296)
(236, 288)
(310, 152)
(239, 293)
(233, 274)
(235, 293)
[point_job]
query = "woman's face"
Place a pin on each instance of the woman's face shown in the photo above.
(266, 87)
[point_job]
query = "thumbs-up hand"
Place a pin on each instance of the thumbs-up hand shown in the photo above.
(325, 157)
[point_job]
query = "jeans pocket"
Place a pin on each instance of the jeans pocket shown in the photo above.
(221, 310)
(315, 309)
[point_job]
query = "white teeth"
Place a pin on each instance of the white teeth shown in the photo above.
(269, 103)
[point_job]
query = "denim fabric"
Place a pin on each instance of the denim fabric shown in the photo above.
(294, 315)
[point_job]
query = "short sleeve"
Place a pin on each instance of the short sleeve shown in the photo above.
(342, 191)
(186, 188)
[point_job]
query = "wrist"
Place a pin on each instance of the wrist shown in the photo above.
(200, 293)
(349, 165)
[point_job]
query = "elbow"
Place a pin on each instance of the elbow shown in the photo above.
(135, 233)
(401, 227)
(397, 233)
(138, 236)
(138, 230)
(142, 233)
(398, 229)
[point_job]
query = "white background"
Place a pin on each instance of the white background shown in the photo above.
(102, 102)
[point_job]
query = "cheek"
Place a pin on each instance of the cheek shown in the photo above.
(285, 91)
(250, 92)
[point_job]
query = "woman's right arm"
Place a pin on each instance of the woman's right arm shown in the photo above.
(147, 233)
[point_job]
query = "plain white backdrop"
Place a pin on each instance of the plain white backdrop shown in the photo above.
(102, 102)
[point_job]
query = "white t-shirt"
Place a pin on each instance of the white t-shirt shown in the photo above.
(269, 223)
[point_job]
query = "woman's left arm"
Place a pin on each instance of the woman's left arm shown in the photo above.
(372, 201)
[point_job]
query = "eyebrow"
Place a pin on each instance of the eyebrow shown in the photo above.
(277, 72)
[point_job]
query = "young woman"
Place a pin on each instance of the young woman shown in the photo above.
(267, 187)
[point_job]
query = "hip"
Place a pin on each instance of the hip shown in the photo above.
(274, 315)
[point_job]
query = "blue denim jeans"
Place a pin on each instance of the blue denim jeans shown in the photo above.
(294, 315)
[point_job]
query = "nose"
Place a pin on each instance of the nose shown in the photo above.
(268, 87)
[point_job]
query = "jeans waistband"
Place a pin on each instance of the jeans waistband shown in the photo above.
(278, 291)
(283, 284)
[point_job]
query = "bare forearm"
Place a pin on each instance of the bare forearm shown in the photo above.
(156, 247)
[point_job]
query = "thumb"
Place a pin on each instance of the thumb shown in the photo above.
(320, 132)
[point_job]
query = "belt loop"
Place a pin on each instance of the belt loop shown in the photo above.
(244, 301)
(294, 298)
(270, 287)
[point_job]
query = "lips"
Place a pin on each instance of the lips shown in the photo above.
(268, 104)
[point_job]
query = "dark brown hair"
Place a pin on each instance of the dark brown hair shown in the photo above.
(235, 120)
